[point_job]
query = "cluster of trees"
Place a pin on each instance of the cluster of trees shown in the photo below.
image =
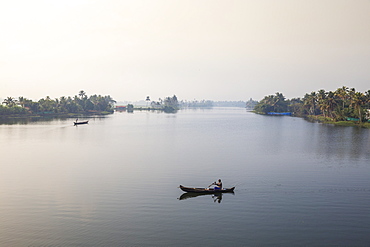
(273, 103)
(209, 104)
(196, 104)
(80, 103)
(337, 105)
(250, 104)
(169, 104)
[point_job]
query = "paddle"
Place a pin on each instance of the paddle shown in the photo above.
(212, 184)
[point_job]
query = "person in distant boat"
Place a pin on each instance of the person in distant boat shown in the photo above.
(218, 185)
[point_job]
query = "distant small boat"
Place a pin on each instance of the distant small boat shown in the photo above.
(84, 122)
(206, 190)
(280, 113)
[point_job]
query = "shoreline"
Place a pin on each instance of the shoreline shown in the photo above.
(59, 115)
(348, 123)
(325, 120)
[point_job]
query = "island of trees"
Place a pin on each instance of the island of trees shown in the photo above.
(79, 104)
(340, 106)
(168, 105)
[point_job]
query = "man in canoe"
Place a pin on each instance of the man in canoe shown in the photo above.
(218, 185)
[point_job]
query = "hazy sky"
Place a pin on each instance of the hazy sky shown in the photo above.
(196, 49)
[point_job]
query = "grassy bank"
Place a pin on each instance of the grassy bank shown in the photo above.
(326, 120)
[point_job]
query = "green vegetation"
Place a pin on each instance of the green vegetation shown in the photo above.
(209, 104)
(79, 104)
(251, 104)
(344, 106)
(197, 104)
(272, 103)
(168, 105)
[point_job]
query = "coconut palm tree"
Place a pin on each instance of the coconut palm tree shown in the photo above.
(322, 101)
(63, 104)
(342, 96)
(82, 94)
(10, 101)
(310, 101)
(21, 101)
(367, 99)
(357, 100)
(342, 93)
(47, 104)
(279, 104)
(265, 105)
(332, 103)
(147, 100)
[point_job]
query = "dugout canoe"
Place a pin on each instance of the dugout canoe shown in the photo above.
(206, 190)
(78, 123)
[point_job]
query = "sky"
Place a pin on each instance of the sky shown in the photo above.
(194, 49)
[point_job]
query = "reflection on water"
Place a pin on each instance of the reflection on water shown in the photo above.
(31, 120)
(216, 197)
(20, 121)
(349, 143)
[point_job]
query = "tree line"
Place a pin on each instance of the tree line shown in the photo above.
(169, 104)
(80, 103)
(210, 103)
(196, 104)
(339, 105)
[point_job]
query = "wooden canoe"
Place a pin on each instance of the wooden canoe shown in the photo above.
(84, 122)
(206, 190)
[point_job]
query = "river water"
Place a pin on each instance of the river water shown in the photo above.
(114, 182)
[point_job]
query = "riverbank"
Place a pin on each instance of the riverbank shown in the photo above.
(58, 115)
(326, 120)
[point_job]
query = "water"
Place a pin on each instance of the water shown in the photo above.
(114, 182)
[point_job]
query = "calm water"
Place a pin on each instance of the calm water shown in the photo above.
(115, 181)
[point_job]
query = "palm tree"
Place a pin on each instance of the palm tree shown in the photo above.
(82, 93)
(94, 100)
(109, 102)
(265, 105)
(295, 106)
(47, 104)
(310, 101)
(147, 100)
(342, 93)
(279, 102)
(322, 101)
(10, 101)
(367, 98)
(342, 96)
(332, 103)
(270, 100)
(357, 100)
(22, 101)
(367, 103)
(63, 104)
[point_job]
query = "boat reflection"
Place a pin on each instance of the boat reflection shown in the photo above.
(216, 197)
